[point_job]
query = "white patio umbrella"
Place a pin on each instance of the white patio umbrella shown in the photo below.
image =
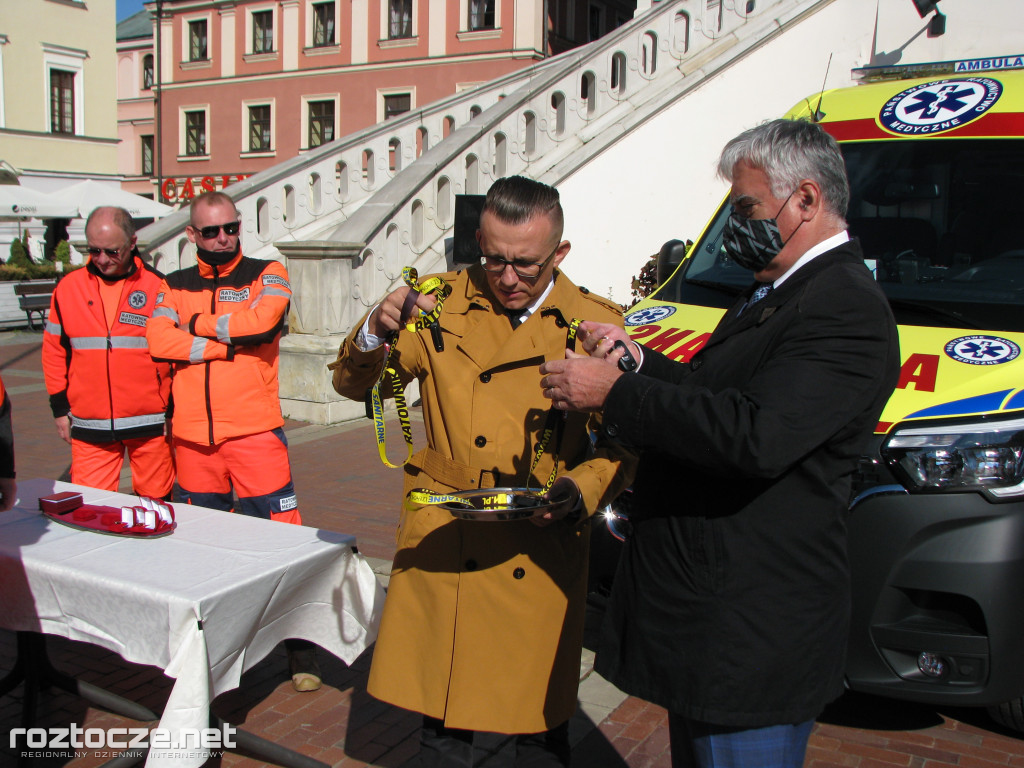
(18, 202)
(87, 195)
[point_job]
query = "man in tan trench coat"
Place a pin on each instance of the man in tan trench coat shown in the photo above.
(483, 624)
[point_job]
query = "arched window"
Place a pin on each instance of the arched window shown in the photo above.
(148, 75)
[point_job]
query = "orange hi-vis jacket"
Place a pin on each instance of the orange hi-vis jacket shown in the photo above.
(104, 376)
(220, 327)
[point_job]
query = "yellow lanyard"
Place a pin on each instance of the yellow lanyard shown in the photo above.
(442, 290)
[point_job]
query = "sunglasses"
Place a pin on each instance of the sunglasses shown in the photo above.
(111, 252)
(208, 233)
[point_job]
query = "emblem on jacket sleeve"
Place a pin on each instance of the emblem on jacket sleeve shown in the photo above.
(275, 280)
(137, 299)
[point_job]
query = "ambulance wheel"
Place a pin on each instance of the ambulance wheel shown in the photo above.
(1009, 714)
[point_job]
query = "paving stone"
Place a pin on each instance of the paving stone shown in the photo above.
(343, 486)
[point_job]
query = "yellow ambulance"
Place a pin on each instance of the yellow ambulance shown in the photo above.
(936, 168)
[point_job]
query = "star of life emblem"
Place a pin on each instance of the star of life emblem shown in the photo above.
(939, 106)
(648, 315)
(982, 350)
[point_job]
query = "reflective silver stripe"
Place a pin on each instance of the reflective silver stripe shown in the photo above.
(166, 312)
(89, 342)
(52, 327)
(271, 291)
(116, 342)
(125, 422)
(223, 334)
(198, 347)
(129, 342)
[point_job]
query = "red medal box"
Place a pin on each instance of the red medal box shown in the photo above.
(149, 519)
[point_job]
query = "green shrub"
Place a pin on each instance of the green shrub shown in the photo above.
(63, 253)
(9, 272)
(19, 255)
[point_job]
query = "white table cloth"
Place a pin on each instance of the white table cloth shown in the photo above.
(204, 604)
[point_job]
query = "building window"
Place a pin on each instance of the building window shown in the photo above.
(195, 133)
(481, 14)
(596, 21)
(62, 101)
(321, 122)
(197, 43)
(147, 155)
(147, 72)
(259, 128)
(399, 18)
(262, 31)
(395, 104)
(323, 24)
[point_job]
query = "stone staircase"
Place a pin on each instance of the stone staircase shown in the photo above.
(348, 216)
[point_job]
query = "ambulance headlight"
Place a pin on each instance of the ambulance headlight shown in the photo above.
(987, 456)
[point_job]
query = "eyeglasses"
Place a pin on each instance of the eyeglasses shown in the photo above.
(111, 252)
(210, 232)
(525, 269)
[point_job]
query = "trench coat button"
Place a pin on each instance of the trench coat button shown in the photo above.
(471, 565)
(695, 364)
(480, 441)
(518, 573)
(611, 430)
(485, 377)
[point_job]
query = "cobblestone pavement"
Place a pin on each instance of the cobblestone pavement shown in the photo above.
(342, 486)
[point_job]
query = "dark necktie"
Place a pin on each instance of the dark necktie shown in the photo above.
(762, 290)
(515, 316)
(759, 293)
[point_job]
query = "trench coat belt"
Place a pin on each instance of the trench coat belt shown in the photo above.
(455, 474)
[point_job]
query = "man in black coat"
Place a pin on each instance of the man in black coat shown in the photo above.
(731, 604)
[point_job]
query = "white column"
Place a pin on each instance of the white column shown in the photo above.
(227, 41)
(291, 38)
(361, 32)
(438, 21)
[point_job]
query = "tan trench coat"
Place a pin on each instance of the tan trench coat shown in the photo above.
(483, 623)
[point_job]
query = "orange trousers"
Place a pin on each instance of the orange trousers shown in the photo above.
(255, 467)
(98, 465)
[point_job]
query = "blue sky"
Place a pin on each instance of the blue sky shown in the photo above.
(126, 8)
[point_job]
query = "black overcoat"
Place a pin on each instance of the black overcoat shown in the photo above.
(731, 602)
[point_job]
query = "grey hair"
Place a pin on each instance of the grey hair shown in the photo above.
(788, 151)
(517, 199)
(122, 219)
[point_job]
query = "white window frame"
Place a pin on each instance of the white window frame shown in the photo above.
(309, 25)
(275, 21)
(410, 91)
(385, 25)
(272, 103)
(182, 136)
(304, 123)
(464, 17)
(68, 60)
(186, 37)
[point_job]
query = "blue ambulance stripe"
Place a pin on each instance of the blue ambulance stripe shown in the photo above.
(992, 401)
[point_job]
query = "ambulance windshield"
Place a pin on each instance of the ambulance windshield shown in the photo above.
(939, 223)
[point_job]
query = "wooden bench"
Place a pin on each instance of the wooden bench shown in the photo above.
(34, 297)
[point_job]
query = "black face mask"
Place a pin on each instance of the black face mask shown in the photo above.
(218, 258)
(753, 243)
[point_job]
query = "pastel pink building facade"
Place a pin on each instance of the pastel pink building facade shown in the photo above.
(247, 84)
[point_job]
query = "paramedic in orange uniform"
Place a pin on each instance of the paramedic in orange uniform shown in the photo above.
(106, 392)
(219, 323)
